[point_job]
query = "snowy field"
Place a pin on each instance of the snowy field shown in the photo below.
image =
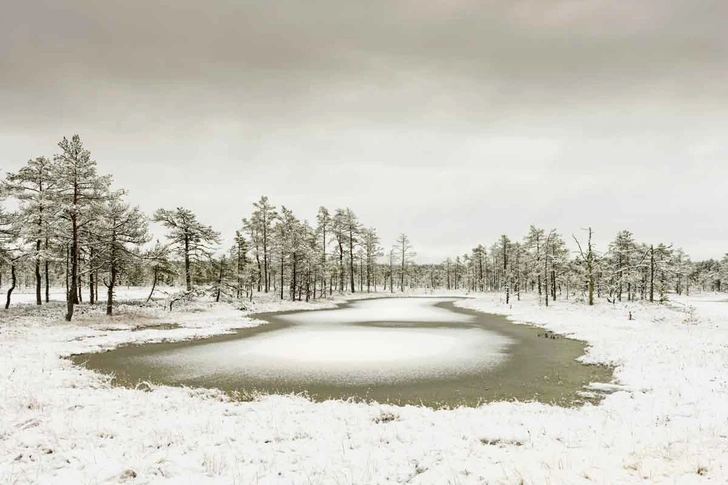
(666, 422)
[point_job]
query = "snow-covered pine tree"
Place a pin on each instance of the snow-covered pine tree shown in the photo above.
(191, 239)
(533, 243)
(262, 220)
(405, 254)
(10, 248)
(159, 261)
(372, 251)
(323, 224)
(479, 266)
(351, 228)
(122, 227)
(239, 261)
(589, 259)
(33, 186)
(79, 194)
(338, 227)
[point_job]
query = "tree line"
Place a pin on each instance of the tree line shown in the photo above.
(541, 262)
(70, 227)
(64, 224)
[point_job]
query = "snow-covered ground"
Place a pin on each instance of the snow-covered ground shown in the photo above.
(667, 422)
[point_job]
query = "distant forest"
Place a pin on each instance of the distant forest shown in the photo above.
(62, 224)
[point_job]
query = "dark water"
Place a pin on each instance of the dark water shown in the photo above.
(405, 351)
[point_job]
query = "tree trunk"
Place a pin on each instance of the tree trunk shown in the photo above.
(293, 277)
(505, 270)
(91, 293)
(154, 283)
(13, 281)
(265, 254)
(341, 266)
(391, 274)
(38, 281)
(188, 278)
(241, 269)
(652, 273)
(546, 272)
(351, 258)
(281, 276)
(401, 272)
(260, 273)
(590, 269)
(112, 280)
(323, 263)
(73, 277)
(369, 273)
(47, 277)
(219, 281)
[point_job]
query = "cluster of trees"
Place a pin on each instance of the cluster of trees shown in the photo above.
(275, 251)
(541, 262)
(69, 224)
(64, 224)
(69, 227)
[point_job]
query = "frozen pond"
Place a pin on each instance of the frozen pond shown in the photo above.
(405, 350)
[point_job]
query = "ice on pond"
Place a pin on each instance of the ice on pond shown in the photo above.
(420, 310)
(352, 345)
(334, 347)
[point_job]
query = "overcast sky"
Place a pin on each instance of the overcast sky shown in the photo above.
(453, 121)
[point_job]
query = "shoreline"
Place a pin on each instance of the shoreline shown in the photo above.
(520, 376)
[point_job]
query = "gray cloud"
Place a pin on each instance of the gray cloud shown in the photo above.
(558, 112)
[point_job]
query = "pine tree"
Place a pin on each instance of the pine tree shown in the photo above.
(338, 227)
(589, 260)
(505, 247)
(122, 227)
(159, 260)
(323, 223)
(405, 253)
(479, 266)
(255, 242)
(239, 260)
(33, 186)
(192, 239)
(262, 219)
(372, 251)
(623, 259)
(80, 193)
(10, 251)
(351, 229)
(533, 243)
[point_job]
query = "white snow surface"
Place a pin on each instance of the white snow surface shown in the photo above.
(666, 422)
(390, 309)
(324, 347)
